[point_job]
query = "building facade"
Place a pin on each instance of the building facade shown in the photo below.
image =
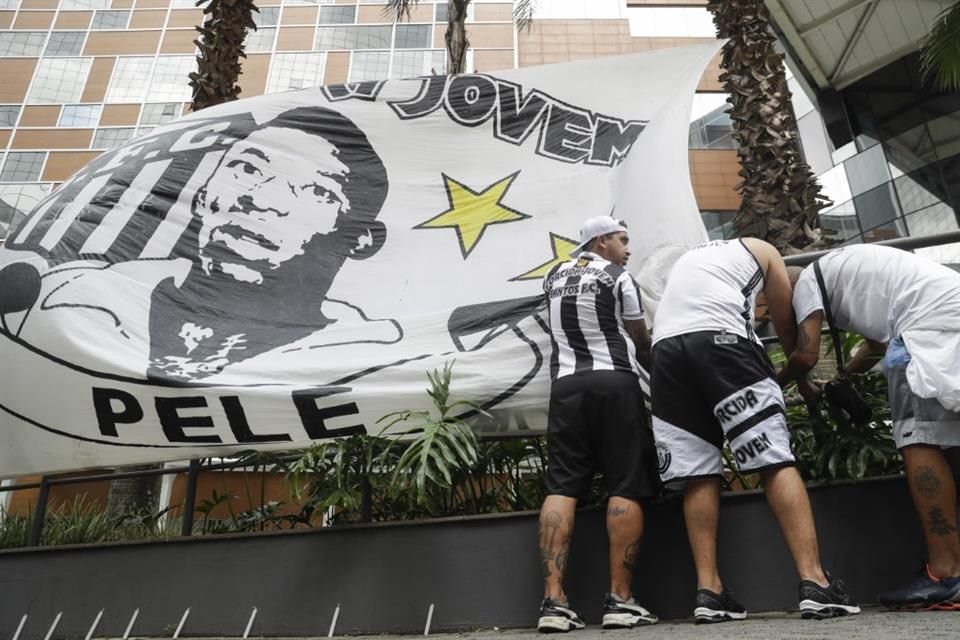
(78, 77)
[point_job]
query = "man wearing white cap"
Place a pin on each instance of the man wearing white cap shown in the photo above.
(597, 418)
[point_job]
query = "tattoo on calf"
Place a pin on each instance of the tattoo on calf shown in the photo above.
(630, 556)
(939, 526)
(927, 482)
(549, 527)
(617, 511)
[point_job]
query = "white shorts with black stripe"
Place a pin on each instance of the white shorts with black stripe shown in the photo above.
(707, 387)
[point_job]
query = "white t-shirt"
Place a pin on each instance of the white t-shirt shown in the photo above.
(712, 287)
(880, 292)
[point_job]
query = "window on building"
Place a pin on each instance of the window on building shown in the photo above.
(350, 38)
(710, 126)
(290, 71)
(110, 20)
(414, 36)
(260, 40)
(68, 5)
(25, 43)
(369, 65)
(9, 5)
(408, 64)
(64, 43)
(154, 113)
(267, 17)
(16, 201)
(110, 138)
(840, 223)
(719, 224)
(171, 78)
(441, 13)
(129, 80)
(338, 14)
(22, 166)
(80, 115)
(59, 80)
(671, 22)
(9, 114)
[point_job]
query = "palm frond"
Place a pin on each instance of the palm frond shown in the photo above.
(940, 51)
(399, 8)
(523, 11)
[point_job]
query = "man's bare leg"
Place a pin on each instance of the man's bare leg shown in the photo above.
(701, 512)
(624, 530)
(556, 527)
(934, 492)
(787, 496)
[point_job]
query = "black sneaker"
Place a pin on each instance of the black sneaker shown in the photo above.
(717, 607)
(625, 614)
(556, 617)
(818, 602)
(926, 593)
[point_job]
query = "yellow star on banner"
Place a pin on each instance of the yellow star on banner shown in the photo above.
(471, 212)
(561, 253)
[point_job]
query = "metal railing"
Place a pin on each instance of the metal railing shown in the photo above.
(194, 467)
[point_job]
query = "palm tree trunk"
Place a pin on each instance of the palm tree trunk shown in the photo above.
(781, 195)
(456, 36)
(220, 49)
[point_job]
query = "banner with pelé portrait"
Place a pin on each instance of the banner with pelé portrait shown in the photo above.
(283, 269)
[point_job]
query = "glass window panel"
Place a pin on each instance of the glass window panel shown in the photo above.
(10, 5)
(9, 114)
(945, 132)
(128, 83)
(910, 150)
(846, 151)
(110, 20)
(369, 65)
(142, 131)
(260, 40)
(816, 145)
(950, 169)
(80, 115)
(835, 184)
(840, 222)
(170, 79)
(867, 170)
(441, 12)
(888, 231)
(719, 224)
(16, 201)
(407, 64)
(26, 43)
(671, 22)
(64, 43)
(22, 167)
(67, 5)
(295, 71)
(159, 113)
(110, 138)
(267, 17)
(920, 189)
(353, 38)
(938, 218)
(59, 80)
(801, 101)
(710, 126)
(185, 4)
(338, 14)
(877, 207)
(414, 36)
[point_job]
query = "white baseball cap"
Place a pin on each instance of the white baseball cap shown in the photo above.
(594, 228)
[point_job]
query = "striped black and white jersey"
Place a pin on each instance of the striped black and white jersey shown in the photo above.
(712, 287)
(589, 298)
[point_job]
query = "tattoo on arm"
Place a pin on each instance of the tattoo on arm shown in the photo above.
(939, 525)
(926, 482)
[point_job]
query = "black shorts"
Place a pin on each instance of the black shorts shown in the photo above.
(707, 386)
(598, 422)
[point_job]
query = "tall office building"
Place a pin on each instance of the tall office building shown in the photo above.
(78, 77)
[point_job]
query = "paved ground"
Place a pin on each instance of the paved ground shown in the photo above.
(872, 624)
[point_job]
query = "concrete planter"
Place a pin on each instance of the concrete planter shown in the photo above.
(478, 572)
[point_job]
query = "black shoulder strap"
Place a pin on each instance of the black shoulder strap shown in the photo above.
(834, 333)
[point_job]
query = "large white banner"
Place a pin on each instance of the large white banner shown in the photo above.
(284, 269)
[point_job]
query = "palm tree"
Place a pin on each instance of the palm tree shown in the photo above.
(940, 52)
(781, 195)
(456, 36)
(221, 47)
